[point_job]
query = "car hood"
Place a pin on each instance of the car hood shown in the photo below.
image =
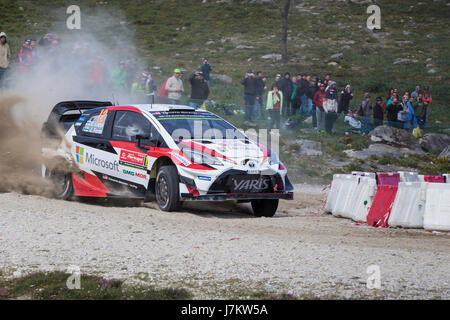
(239, 151)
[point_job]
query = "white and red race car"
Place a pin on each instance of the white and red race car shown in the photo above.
(170, 153)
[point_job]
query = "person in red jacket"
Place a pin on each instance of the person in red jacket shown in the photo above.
(25, 57)
(320, 112)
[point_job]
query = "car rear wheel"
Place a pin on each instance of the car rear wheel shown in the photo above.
(265, 207)
(167, 189)
(63, 186)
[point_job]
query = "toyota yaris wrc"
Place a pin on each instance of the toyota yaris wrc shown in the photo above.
(167, 153)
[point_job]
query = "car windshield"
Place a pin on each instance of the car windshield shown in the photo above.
(197, 125)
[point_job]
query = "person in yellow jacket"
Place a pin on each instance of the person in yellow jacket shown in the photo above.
(140, 89)
(274, 106)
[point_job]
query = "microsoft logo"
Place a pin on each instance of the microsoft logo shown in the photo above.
(80, 155)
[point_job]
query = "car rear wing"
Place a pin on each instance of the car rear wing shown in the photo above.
(65, 113)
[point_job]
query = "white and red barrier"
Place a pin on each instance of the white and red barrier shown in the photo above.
(346, 197)
(338, 180)
(437, 207)
(365, 194)
(401, 199)
(409, 205)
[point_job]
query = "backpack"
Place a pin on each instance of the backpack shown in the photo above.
(163, 92)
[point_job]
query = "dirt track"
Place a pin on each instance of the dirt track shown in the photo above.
(221, 251)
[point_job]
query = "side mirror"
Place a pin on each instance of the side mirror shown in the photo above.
(139, 139)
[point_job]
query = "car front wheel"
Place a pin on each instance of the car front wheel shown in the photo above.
(167, 189)
(265, 207)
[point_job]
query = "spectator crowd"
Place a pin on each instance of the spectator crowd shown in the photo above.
(286, 99)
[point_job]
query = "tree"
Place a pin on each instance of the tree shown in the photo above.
(283, 6)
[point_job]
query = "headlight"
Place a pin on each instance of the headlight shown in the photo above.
(201, 158)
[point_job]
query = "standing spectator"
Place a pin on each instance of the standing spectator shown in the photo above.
(420, 110)
(5, 57)
(199, 90)
(206, 70)
(311, 93)
(174, 87)
(96, 74)
(260, 94)
(415, 93)
(427, 99)
(294, 107)
(25, 57)
(344, 101)
(250, 91)
(378, 113)
(366, 111)
(139, 89)
(326, 81)
(330, 105)
(286, 86)
(392, 112)
(119, 76)
(274, 107)
(320, 111)
(403, 116)
(277, 81)
(151, 85)
(302, 87)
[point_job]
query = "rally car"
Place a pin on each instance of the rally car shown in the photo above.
(163, 152)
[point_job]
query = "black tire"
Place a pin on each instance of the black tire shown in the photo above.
(63, 185)
(167, 188)
(265, 207)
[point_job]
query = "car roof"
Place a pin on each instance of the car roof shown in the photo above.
(163, 107)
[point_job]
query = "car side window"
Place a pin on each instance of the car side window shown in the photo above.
(95, 123)
(129, 124)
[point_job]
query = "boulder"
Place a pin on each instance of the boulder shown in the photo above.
(435, 142)
(221, 77)
(337, 56)
(306, 147)
(395, 137)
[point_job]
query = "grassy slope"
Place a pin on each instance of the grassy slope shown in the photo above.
(174, 33)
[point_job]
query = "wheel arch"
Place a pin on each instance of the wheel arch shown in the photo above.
(160, 162)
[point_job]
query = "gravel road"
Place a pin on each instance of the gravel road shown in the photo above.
(224, 252)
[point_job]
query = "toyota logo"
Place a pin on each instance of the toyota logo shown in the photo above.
(251, 164)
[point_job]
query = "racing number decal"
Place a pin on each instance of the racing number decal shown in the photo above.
(102, 115)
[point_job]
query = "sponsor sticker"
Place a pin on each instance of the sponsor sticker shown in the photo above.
(204, 178)
(133, 159)
(80, 155)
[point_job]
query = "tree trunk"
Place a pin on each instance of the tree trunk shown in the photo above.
(284, 16)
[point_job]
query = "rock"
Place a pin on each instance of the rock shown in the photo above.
(337, 56)
(244, 47)
(210, 42)
(445, 153)
(345, 47)
(405, 61)
(221, 77)
(432, 71)
(395, 137)
(380, 35)
(306, 147)
(333, 63)
(435, 142)
(273, 56)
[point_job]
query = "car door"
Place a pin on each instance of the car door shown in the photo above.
(132, 154)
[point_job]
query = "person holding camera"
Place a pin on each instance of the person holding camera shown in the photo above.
(199, 90)
(250, 84)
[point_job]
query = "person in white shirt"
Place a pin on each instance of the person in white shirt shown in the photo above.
(174, 87)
